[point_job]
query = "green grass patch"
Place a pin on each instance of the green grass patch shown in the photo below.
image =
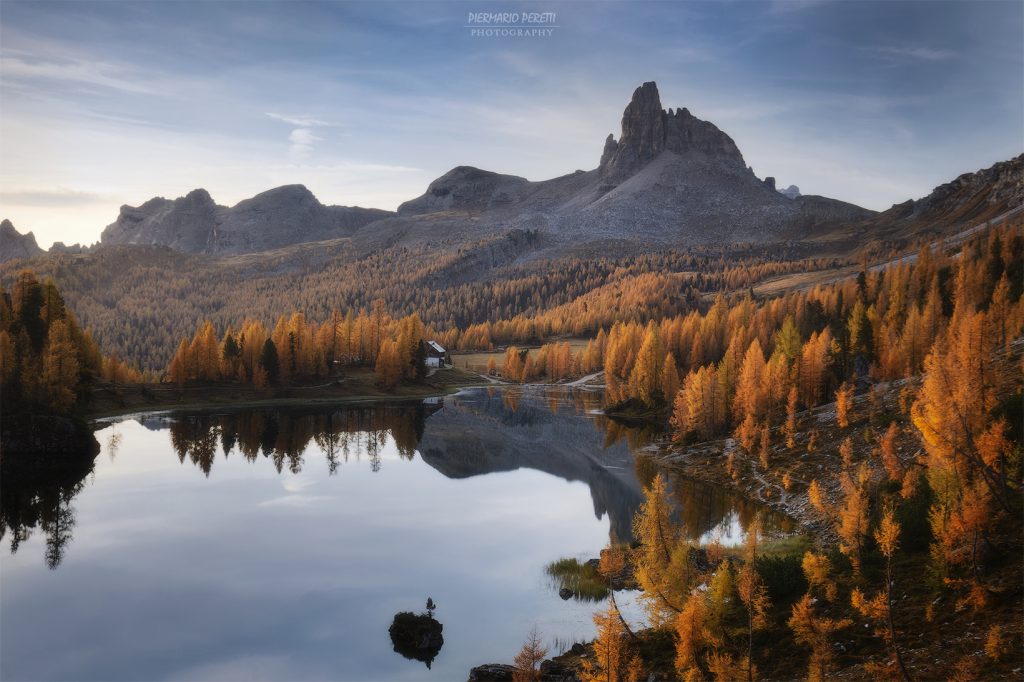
(581, 579)
(790, 545)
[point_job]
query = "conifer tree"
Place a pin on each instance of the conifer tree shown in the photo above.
(817, 632)
(660, 561)
(752, 592)
(529, 658)
(669, 379)
(269, 361)
(879, 608)
(60, 367)
(389, 364)
(645, 379)
(613, 661)
(844, 404)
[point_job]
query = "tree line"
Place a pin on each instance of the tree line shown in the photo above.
(47, 361)
(933, 480)
(138, 301)
(299, 350)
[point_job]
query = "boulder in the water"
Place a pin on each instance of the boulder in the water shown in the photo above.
(417, 637)
(492, 672)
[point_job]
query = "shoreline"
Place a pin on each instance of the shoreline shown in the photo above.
(112, 402)
(136, 401)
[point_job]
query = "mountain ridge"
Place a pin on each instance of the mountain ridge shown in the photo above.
(278, 217)
(670, 179)
(13, 244)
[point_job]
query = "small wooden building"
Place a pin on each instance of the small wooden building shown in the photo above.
(434, 354)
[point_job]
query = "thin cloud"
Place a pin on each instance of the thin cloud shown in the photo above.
(300, 120)
(50, 197)
(83, 72)
(302, 139)
(301, 142)
(926, 54)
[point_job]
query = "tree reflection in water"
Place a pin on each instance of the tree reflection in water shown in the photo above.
(284, 436)
(555, 430)
(27, 505)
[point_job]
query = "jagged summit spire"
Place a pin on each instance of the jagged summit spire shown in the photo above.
(648, 130)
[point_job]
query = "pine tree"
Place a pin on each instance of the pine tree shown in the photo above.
(844, 405)
(660, 561)
(177, 371)
(529, 658)
(645, 379)
(790, 428)
(852, 524)
(752, 592)
(60, 367)
(389, 364)
(669, 379)
(879, 608)
(817, 632)
(750, 399)
(612, 661)
(269, 361)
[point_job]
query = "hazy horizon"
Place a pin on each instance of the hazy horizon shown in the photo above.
(104, 104)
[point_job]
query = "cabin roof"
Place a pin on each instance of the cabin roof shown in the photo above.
(436, 347)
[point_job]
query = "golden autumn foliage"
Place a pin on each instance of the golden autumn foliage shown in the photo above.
(844, 405)
(879, 608)
(47, 362)
(853, 517)
(529, 658)
(613, 660)
(660, 561)
(817, 569)
(816, 632)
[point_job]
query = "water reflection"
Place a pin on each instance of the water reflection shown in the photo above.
(554, 430)
(417, 637)
(284, 436)
(181, 541)
(32, 501)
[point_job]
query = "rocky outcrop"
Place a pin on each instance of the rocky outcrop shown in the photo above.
(13, 244)
(185, 224)
(791, 192)
(670, 178)
(469, 189)
(74, 249)
(418, 637)
(648, 130)
(195, 224)
(970, 199)
(492, 672)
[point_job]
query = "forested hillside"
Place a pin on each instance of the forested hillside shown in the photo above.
(885, 413)
(47, 361)
(139, 301)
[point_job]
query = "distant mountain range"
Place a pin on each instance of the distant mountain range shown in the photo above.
(195, 224)
(13, 244)
(670, 179)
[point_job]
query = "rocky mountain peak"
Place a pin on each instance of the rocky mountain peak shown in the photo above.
(195, 223)
(289, 193)
(648, 130)
(13, 244)
(465, 188)
(199, 197)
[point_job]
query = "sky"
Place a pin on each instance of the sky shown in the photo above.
(104, 104)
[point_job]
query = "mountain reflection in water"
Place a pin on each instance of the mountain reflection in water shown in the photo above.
(281, 542)
(553, 430)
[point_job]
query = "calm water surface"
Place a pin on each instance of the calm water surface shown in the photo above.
(279, 544)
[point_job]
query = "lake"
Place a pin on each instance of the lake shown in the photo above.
(280, 543)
